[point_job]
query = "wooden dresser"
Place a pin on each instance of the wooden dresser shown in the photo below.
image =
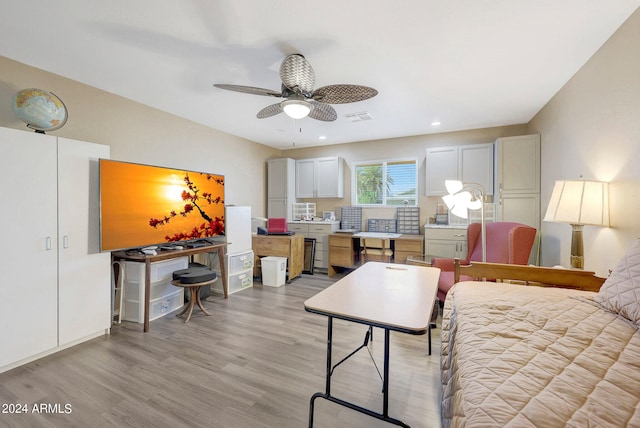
(407, 246)
(289, 246)
(344, 250)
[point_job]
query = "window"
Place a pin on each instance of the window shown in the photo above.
(385, 183)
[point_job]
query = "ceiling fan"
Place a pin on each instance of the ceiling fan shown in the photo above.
(301, 100)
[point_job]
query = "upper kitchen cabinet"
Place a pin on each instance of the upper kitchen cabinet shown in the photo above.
(518, 179)
(281, 188)
(469, 164)
(320, 178)
(518, 164)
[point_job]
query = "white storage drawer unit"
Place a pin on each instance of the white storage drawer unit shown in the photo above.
(239, 262)
(240, 281)
(239, 272)
(163, 298)
(236, 282)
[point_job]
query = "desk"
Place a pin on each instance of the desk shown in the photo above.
(344, 249)
(171, 254)
(384, 295)
(289, 246)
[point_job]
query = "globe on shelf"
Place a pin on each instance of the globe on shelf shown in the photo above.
(40, 110)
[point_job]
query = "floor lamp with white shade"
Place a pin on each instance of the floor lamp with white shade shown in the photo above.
(463, 197)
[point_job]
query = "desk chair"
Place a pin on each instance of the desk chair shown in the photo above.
(376, 249)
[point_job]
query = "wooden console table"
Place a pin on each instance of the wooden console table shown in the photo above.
(289, 246)
(218, 247)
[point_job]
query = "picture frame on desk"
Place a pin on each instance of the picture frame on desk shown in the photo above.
(309, 255)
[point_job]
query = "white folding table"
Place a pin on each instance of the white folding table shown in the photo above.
(388, 296)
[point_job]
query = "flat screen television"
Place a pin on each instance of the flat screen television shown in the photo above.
(144, 205)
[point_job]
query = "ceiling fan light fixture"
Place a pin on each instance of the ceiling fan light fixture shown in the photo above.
(296, 109)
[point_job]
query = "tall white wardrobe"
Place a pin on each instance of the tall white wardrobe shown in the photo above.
(55, 288)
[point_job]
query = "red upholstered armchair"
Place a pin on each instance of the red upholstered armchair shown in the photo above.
(507, 242)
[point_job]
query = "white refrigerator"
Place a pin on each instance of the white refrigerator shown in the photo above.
(238, 229)
(239, 253)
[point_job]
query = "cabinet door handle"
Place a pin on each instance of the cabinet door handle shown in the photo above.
(47, 243)
(65, 241)
(500, 194)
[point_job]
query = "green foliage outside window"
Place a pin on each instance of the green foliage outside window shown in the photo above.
(389, 183)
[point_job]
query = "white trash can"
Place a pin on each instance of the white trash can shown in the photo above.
(274, 271)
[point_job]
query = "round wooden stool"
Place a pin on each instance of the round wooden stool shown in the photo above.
(194, 296)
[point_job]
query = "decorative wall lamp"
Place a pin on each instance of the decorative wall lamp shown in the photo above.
(578, 203)
(463, 197)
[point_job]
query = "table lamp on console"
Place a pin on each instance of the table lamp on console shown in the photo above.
(579, 203)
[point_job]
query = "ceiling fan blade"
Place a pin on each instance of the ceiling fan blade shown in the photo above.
(297, 73)
(269, 111)
(324, 112)
(249, 90)
(343, 94)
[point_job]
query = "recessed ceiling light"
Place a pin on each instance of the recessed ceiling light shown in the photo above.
(435, 123)
(322, 137)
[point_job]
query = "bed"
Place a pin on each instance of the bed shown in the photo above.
(523, 355)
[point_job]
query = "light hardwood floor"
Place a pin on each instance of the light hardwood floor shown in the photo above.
(254, 363)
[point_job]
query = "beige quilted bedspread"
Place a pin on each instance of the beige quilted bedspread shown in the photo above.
(516, 356)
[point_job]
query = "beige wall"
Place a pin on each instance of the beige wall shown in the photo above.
(591, 130)
(409, 147)
(137, 133)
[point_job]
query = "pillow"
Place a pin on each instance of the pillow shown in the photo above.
(620, 293)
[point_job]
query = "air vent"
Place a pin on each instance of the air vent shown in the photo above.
(358, 117)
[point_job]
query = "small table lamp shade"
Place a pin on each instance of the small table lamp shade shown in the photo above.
(578, 203)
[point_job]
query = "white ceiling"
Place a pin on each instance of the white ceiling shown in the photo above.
(466, 63)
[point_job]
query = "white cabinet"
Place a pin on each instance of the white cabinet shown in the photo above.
(29, 268)
(306, 178)
(320, 178)
(281, 188)
(57, 284)
(475, 165)
(239, 258)
(470, 164)
(441, 165)
(319, 231)
(237, 228)
(445, 242)
(518, 179)
(84, 293)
